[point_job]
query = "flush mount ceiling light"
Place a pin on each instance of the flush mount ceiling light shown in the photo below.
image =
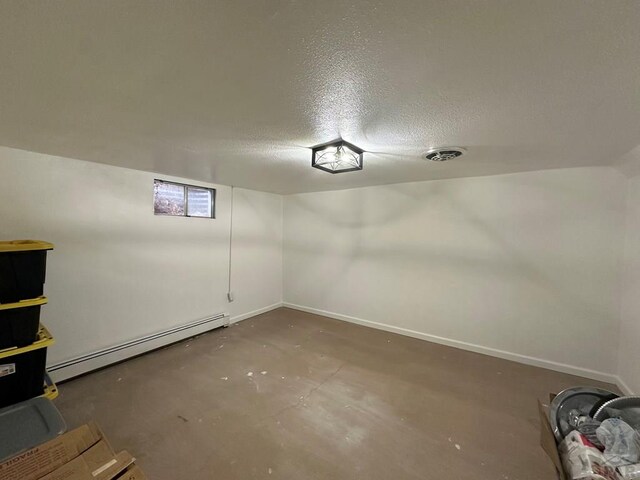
(443, 154)
(337, 157)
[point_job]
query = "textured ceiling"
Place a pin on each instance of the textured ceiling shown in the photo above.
(235, 92)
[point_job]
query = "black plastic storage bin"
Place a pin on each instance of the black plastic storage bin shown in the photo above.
(19, 322)
(22, 370)
(23, 266)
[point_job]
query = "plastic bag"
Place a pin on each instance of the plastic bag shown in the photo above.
(582, 461)
(629, 415)
(631, 472)
(621, 442)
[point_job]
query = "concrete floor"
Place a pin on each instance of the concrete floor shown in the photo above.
(291, 395)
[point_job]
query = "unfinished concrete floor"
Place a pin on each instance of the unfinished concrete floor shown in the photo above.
(290, 395)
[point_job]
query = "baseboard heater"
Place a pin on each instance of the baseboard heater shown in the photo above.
(116, 353)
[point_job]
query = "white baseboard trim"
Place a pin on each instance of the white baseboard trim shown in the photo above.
(259, 311)
(515, 357)
(624, 388)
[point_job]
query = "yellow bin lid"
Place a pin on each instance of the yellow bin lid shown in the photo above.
(34, 302)
(50, 391)
(44, 340)
(50, 388)
(24, 245)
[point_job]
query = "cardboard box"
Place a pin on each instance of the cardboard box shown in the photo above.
(81, 454)
(97, 463)
(548, 440)
(44, 459)
(133, 473)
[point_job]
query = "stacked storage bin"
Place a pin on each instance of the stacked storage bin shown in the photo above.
(23, 339)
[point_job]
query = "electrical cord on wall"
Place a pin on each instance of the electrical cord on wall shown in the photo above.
(229, 292)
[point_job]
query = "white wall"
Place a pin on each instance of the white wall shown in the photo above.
(256, 267)
(629, 352)
(118, 271)
(523, 266)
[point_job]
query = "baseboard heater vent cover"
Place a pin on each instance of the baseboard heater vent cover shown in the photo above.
(116, 353)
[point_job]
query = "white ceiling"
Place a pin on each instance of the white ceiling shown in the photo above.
(234, 92)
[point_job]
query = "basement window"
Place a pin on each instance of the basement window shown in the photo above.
(179, 200)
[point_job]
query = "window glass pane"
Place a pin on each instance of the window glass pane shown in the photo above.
(199, 204)
(168, 198)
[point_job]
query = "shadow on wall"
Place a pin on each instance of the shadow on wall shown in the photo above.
(261, 220)
(391, 226)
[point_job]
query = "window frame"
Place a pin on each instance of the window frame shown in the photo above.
(186, 186)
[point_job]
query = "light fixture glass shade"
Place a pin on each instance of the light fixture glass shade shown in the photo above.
(337, 157)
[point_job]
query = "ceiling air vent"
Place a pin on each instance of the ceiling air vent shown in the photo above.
(443, 154)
